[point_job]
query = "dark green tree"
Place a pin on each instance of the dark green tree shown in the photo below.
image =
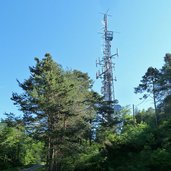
(12, 121)
(16, 147)
(150, 87)
(56, 109)
(145, 116)
(165, 90)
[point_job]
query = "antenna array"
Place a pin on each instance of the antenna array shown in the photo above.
(106, 65)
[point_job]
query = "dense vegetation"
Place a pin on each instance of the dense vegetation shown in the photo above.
(69, 127)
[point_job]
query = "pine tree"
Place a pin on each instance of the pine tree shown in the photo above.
(57, 109)
(150, 86)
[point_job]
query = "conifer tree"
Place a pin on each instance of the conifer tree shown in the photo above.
(150, 86)
(56, 108)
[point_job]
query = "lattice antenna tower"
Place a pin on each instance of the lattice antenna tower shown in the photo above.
(106, 65)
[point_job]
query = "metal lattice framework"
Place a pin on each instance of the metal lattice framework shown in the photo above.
(107, 66)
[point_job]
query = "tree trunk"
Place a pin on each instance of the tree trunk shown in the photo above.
(90, 134)
(155, 105)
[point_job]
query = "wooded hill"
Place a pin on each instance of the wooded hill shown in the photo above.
(69, 127)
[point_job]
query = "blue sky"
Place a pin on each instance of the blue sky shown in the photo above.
(68, 29)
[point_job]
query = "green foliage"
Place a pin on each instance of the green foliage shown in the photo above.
(71, 128)
(9, 147)
(17, 148)
(58, 109)
(150, 86)
(160, 160)
(90, 159)
(158, 83)
(146, 116)
(137, 147)
(32, 151)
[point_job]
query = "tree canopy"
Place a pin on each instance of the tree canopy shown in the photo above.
(69, 127)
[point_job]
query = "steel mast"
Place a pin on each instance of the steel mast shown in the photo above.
(107, 66)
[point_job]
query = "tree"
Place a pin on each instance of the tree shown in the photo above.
(165, 84)
(56, 108)
(150, 86)
(146, 116)
(12, 121)
(40, 101)
(16, 147)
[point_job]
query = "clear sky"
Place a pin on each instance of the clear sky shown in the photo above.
(68, 29)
